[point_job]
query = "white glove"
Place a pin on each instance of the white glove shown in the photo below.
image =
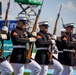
(3, 36)
(53, 42)
(54, 37)
(34, 33)
(5, 28)
(32, 39)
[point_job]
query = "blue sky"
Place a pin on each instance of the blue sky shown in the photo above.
(49, 12)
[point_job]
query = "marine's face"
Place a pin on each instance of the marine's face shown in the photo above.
(63, 33)
(43, 28)
(21, 25)
(69, 29)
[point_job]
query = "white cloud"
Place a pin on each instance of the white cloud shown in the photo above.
(70, 6)
(51, 20)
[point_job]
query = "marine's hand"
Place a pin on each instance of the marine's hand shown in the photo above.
(3, 36)
(54, 37)
(34, 34)
(53, 42)
(32, 39)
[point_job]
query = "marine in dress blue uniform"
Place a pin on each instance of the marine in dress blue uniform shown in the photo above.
(60, 46)
(43, 43)
(19, 59)
(5, 66)
(69, 47)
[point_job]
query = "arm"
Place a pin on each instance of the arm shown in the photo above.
(42, 42)
(15, 37)
(66, 43)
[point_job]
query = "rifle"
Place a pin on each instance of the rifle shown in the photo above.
(56, 23)
(5, 23)
(34, 30)
(62, 22)
(55, 28)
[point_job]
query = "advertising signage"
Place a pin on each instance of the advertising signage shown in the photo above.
(11, 24)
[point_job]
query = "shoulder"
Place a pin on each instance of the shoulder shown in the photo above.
(14, 32)
(39, 35)
(64, 38)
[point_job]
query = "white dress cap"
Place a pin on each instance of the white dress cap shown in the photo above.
(21, 18)
(62, 30)
(69, 25)
(43, 22)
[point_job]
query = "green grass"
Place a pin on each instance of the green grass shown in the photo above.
(29, 74)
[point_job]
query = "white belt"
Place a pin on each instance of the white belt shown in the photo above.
(19, 46)
(41, 48)
(60, 51)
(68, 50)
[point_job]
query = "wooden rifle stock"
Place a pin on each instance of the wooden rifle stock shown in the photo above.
(55, 29)
(2, 48)
(34, 30)
(5, 23)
